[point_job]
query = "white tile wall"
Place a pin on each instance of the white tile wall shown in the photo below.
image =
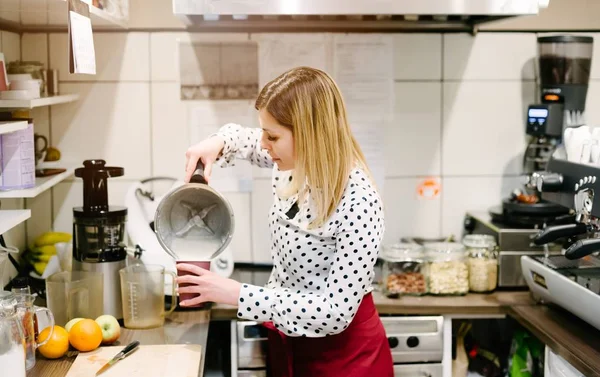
(35, 47)
(408, 215)
(484, 127)
(413, 139)
(170, 132)
(592, 108)
(119, 57)
(40, 222)
(459, 109)
(111, 121)
(418, 56)
(241, 244)
(489, 56)
(11, 46)
(164, 51)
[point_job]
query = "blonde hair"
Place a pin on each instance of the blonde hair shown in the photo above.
(308, 101)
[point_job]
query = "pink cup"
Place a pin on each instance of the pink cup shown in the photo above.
(188, 296)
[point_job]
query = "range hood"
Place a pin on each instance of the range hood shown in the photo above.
(349, 15)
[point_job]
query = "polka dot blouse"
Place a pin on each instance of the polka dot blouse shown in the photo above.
(319, 275)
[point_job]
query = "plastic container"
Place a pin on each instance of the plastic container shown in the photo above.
(482, 260)
(448, 272)
(404, 270)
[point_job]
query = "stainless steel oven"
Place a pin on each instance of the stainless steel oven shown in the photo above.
(249, 349)
(416, 344)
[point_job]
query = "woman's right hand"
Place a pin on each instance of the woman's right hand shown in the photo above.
(207, 151)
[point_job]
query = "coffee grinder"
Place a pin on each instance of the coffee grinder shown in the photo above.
(564, 72)
(565, 62)
(99, 232)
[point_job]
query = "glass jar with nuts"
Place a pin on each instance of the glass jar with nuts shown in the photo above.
(483, 262)
(448, 271)
(404, 270)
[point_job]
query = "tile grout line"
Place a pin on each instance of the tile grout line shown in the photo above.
(52, 191)
(151, 119)
(24, 201)
(441, 145)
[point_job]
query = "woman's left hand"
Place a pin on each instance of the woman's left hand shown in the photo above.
(211, 287)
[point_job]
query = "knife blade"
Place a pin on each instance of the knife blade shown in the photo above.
(120, 356)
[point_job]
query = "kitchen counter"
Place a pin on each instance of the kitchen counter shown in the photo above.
(496, 303)
(568, 336)
(180, 328)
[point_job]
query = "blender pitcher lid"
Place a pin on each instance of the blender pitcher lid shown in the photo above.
(194, 222)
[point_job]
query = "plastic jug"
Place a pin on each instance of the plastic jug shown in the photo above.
(26, 312)
(12, 350)
(75, 294)
(142, 292)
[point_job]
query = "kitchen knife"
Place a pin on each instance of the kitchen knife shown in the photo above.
(120, 356)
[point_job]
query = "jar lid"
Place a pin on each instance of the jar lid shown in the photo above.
(445, 251)
(403, 252)
(479, 241)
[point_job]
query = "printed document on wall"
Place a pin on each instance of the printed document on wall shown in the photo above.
(364, 71)
(278, 53)
(206, 118)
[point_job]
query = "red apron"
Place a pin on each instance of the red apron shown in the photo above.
(362, 350)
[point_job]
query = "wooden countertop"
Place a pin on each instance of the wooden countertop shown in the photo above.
(180, 328)
(472, 304)
(568, 336)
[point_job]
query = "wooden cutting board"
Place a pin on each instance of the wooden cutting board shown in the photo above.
(168, 360)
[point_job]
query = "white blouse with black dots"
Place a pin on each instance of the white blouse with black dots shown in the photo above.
(319, 275)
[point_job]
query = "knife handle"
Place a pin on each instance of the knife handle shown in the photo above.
(130, 347)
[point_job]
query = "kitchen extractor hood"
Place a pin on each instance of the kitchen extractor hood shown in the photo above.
(349, 15)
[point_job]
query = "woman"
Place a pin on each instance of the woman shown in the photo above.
(326, 225)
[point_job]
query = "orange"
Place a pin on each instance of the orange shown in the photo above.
(85, 335)
(58, 344)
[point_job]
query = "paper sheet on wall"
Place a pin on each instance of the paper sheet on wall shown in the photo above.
(281, 52)
(363, 69)
(82, 56)
(206, 118)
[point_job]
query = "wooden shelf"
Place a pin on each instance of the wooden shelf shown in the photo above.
(11, 218)
(41, 184)
(21, 16)
(12, 126)
(38, 102)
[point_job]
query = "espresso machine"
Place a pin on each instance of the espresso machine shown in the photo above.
(564, 63)
(572, 280)
(99, 243)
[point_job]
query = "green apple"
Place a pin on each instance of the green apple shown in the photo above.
(71, 323)
(111, 330)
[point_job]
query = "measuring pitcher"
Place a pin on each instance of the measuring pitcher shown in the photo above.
(12, 350)
(143, 295)
(26, 312)
(75, 294)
